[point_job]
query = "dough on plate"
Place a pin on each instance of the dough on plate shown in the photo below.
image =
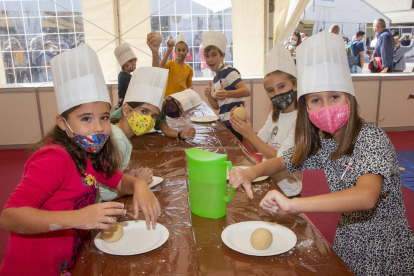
(261, 238)
(114, 233)
(240, 113)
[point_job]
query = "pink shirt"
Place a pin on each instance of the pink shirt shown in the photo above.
(51, 182)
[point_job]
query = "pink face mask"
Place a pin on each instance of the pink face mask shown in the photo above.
(329, 118)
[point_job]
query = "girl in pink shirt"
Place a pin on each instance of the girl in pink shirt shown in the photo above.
(53, 208)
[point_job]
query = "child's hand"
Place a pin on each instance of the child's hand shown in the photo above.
(244, 128)
(207, 90)
(99, 216)
(221, 95)
(142, 173)
(275, 203)
(242, 177)
(188, 133)
(169, 47)
(145, 199)
(150, 39)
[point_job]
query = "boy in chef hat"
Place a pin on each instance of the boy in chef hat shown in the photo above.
(229, 89)
(128, 62)
(180, 75)
(358, 159)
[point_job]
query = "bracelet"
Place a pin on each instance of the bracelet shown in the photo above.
(179, 136)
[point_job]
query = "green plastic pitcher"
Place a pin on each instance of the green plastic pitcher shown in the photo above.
(207, 176)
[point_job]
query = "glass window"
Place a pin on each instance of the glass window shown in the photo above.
(227, 22)
(200, 22)
(197, 8)
(167, 7)
(155, 23)
(34, 31)
(32, 25)
(183, 7)
(183, 22)
(154, 7)
(215, 22)
(13, 8)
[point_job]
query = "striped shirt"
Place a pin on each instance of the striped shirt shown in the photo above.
(229, 76)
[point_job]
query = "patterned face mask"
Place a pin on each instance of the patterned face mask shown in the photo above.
(131, 68)
(91, 143)
(181, 56)
(140, 124)
(284, 100)
(329, 118)
(171, 108)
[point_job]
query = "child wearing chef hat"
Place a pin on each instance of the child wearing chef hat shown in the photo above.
(180, 75)
(128, 62)
(229, 89)
(278, 133)
(53, 207)
(359, 161)
(138, 115)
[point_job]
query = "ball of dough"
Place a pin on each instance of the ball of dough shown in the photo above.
(261, 238)
(171, 42)
(114, 233)
(214, 95)
(240, 113)
(158, 40)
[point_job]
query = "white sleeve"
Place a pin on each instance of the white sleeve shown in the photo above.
(266, 132)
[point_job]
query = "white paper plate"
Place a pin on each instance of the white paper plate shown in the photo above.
(136, 240)
(155, 181)
(260, 178)
(204, 119)
(237, 237)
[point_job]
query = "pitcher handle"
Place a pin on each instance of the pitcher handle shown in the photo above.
(231, 190)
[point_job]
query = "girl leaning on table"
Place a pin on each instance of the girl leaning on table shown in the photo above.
(52, 208)
(144, 102)
(359, 161)
(277, 135)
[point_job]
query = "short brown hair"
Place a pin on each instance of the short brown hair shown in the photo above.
(107, 160)
(307, 140)
(276, 110)
(212, 47)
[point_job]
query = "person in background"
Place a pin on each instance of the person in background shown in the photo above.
(128, 62)
(334, 29)
(294, 41)
(180, 76)
(399, 52)
(229, 88)
(36, 45)
(384, 47)
(79, 42)
(358, 50)
(43, 60)
(278, 133)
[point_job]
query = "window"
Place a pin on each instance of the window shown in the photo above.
(32, 32)
(192, 19)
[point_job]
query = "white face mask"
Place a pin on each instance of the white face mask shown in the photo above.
(293, 42)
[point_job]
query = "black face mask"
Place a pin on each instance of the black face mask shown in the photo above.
(171, 109)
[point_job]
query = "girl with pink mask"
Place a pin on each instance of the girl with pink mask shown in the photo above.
(360, 164)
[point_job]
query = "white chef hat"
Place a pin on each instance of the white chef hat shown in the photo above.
(147, 85)
(214, 38)
(78, 78)
(123, 53)
(181, 38)
(279, 58)
(322, 65)
(189, 100)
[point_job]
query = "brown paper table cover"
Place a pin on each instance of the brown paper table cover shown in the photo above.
(194, 246)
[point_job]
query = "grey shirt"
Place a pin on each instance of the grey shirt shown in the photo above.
(399, 54)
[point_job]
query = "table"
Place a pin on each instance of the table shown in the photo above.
(195, 246)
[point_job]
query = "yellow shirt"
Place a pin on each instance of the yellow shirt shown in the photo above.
(180, 77)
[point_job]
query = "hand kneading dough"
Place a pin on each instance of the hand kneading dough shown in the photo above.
(240, 113)
(261, 238)
(114, 233)
(158, 40)
(171, 42)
